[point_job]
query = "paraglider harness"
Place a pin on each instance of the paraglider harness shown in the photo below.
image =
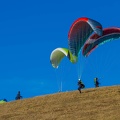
(96, 82)
(81, 85)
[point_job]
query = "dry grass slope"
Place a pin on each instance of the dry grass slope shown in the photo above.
(92, 104)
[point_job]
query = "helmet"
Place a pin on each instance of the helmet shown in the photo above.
(79, 79)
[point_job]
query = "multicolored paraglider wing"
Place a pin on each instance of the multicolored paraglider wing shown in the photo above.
(80, 31)
(58, 54)
(95, 40)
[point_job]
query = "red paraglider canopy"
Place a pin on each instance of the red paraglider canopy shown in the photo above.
(95, 40)
(79, 32)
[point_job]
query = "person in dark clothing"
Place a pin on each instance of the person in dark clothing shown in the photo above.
(5, 100)
(18, 97)
(81, 85)
(96, 82)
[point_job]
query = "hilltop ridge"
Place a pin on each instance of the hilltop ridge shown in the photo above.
(101, 103)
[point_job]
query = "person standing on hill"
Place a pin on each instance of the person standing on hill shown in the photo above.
(96, 82)
(81, 85)
(18, 97)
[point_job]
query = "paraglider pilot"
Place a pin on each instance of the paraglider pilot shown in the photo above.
(18, 97)
(81, 85)
(96, 82)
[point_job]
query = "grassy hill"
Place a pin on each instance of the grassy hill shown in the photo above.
(92, 104)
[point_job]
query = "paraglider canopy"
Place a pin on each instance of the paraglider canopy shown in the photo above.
(79, 32)
(3, 101)
(58, 54)
(94, 41)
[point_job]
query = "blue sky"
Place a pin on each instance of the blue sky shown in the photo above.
(30, 30)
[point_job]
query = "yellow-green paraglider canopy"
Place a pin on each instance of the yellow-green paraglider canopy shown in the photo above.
(2, 101)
